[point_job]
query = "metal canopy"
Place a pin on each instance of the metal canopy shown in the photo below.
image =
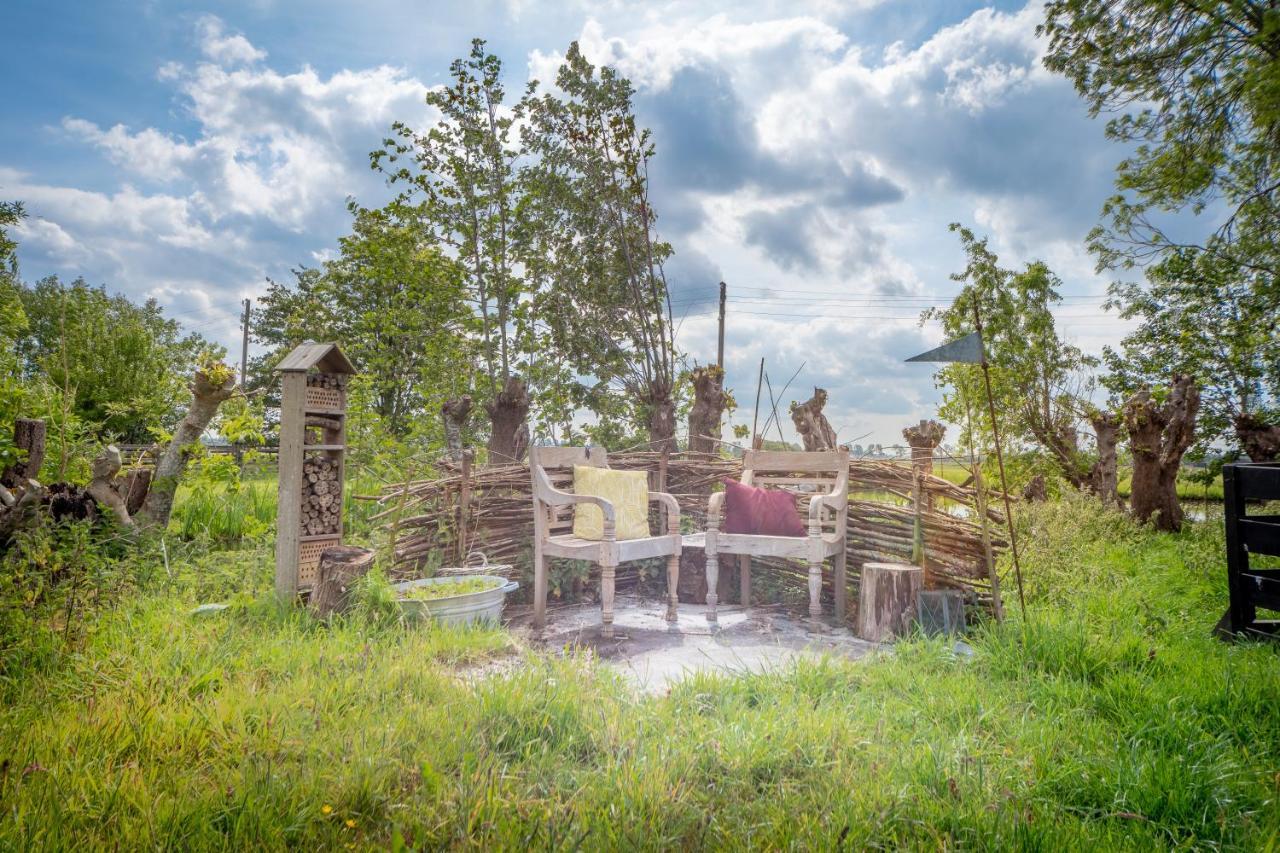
(967, 350)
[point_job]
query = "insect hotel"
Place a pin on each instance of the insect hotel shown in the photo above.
(313, 411)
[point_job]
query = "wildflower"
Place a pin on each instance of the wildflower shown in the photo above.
(326, 809)
(351, 824)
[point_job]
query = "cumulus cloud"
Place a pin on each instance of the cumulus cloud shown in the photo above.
(272, 145)
(801, 156)
(222, 48)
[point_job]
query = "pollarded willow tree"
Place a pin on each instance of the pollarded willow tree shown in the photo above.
(592, 245)
(1194, 89)
(459, 178)
(1201, 320)
(1040, 383)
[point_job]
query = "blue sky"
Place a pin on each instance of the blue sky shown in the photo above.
(811, 154)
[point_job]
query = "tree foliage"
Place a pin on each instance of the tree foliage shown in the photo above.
(1201, 319)
(593, 245)
(119, 366)
(1040, 383)
(459, 179)
(397, 305)
(1195, 87)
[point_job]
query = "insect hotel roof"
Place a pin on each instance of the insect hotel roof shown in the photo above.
(327, 358)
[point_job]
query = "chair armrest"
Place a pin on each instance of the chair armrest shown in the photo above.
(714, 506)
(555, 497)
(673, 510)
(837, 499)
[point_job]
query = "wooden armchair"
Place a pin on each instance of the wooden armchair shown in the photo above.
(551, 468)
(826, 472)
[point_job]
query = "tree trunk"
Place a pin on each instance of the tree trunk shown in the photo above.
(924, 438)
(1259, 440)
(207, 394)
(814, 428)
(103, 485)
(134, 487)
(662, 419)
(1103, 476)
(509, 419)
(28, 436)
(340, 567)
(708, 409)
(1159, 434)
(887, 594)
(455, 413)
(1036, 490)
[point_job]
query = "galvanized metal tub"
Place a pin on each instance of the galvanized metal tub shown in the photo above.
(482, 606)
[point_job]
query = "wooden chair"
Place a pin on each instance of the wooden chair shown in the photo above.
(828, 473)
(552, 467)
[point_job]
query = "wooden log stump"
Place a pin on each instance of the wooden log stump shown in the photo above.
(887, 600)
(28, 436)
(339, 568)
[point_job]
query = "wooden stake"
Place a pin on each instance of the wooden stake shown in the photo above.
(755, 418)
(1004, 484)
(720, 341)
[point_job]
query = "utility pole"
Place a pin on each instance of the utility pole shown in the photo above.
(720, 343)
(244, 344)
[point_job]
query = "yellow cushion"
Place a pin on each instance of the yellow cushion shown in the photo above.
(628, 491)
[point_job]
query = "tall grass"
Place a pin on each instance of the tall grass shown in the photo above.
(223, 514)
(1108, 719)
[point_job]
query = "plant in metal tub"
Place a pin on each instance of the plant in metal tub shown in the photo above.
(455, 601)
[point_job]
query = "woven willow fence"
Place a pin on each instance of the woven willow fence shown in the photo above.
(892, 512)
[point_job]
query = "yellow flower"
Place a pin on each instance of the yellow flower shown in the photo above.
(351, 824)
(326, 809)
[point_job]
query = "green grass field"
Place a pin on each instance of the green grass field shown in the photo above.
(1109, 719)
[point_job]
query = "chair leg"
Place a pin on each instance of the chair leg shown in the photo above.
(713, 577)
(539, 589)
(673, 584)
(815, 590)
(606, 600)
(744, 580)
(841, 586)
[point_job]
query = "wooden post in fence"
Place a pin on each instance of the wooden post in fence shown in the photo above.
(464, 505)
(924, 439)
(988, 555)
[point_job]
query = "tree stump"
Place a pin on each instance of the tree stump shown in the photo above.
(340, 567)
(813, 426)
(28, 436)
(887, 600)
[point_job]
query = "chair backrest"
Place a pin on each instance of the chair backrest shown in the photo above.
(806, 474)
(789, 468)
(553, 466)
(560, 458)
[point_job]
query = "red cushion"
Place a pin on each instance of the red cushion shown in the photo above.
(763, 512)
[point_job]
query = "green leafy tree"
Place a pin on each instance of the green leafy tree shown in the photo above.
(15, 393)
(1195, 87)
(119, 368)
(459, 179)
(395, 303)
(1040, 384)
(1200, 318)
(1195, 91)
(593, 248)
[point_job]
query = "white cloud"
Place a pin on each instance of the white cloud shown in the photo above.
(222, 48)
(284, 147)
(793, 154)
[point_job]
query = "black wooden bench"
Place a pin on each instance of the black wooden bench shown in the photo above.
(1251, 588)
